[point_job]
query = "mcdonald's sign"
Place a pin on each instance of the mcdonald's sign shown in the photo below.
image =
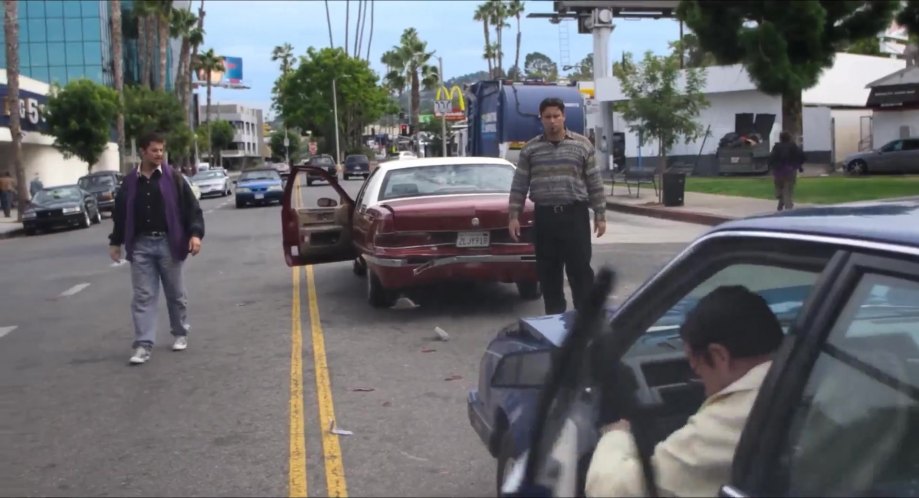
(450, 103)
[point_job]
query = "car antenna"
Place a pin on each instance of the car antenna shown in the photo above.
(563, 379)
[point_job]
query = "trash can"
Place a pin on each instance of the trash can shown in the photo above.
(674, 185)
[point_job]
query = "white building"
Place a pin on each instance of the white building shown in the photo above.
(835, 110)
(895, 100)
(38, 153)
(247, 146)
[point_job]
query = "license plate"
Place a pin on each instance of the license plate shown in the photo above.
(259, 196)
(472, 239)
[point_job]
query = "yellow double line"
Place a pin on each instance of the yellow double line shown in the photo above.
(331, 450)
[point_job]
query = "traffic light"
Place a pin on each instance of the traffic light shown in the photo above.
(403, 130)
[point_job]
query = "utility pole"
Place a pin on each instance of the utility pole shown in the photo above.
(335, 110)
(443, 115)
(286, 147)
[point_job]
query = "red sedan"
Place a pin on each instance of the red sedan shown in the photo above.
(415, 222)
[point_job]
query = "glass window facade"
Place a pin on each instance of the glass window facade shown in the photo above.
(64, 40)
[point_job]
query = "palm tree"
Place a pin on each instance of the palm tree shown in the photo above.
(209, 62)
(285, 54)
(118, 73)
(162, 14)
(328, 20)
(347, 21)
(498, 12)
(409, 63)
(11, 33)
(482, 14)
(183, 27)
(370, 35)
(515, 9)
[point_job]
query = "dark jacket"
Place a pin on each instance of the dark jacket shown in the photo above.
(175, 191)
(786, 158)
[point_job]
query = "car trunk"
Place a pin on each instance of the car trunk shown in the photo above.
(449, 212)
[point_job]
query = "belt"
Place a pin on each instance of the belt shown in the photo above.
(561, 208)
(153, 234)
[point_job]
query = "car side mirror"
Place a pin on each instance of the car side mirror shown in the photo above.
(523, 369)
(326, 202)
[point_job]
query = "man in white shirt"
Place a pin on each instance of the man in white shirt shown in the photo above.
(729, 338)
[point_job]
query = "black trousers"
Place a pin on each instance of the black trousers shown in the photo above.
(562, 240)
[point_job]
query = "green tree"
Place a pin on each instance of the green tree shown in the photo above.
(221, 135)
(80, 117)
(148, 110)
(305, 95)
(276, 144)
(866, 46)
(483, 15)
(515, 9)
(538, 65)
(657, 108)
(785, 46)
(409, 63)
(584, 70)
(693, 55)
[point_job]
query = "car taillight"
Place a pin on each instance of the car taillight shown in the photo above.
(402, 239)
(106, 196)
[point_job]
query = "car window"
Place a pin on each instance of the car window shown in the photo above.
(57, 195)
(208, 175)
(260, 175)
(893, 146)
(447, 179)
(321, 161)
(96, 181)
(855, 431)
(784, 289)
(356, 159)
(912, 144)
(369, 186)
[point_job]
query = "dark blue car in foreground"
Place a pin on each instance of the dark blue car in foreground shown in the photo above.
(259, 186)
(838, 409)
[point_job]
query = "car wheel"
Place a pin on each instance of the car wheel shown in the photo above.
(359, 267)
(30, 231)
(507, 457)
(858, 167)
(86, 221)
(529, 290)
(239, 204)
(377, 295)
(98, 219)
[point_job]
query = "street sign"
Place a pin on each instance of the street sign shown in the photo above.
(313, 148)
(442, 107)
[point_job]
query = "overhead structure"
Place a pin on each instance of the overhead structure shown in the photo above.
(596, 17)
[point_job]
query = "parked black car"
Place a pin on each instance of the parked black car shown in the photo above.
(323, 161)
(356, 165)
(838, 409)
(66, 205)
(103, 185)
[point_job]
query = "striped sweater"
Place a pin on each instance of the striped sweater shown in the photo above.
(558, 174)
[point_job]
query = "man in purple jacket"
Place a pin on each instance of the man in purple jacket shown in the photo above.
(159, 221)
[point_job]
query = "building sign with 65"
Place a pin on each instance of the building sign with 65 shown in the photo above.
(31, 107)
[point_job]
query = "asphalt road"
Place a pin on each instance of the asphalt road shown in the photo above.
(216, 419)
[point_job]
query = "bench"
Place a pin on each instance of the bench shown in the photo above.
(631, 175)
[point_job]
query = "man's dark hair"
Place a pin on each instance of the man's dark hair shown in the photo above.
(151, 137)
(785, 137)
(736, 318)
(551, 102)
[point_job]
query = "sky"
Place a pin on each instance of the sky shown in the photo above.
(251, 29)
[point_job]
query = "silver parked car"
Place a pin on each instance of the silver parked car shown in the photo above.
(897, 156)
(212, 182)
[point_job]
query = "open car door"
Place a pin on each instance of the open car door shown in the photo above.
(315, 231)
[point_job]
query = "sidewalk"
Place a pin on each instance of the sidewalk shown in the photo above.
(9, 227)
(704, 209)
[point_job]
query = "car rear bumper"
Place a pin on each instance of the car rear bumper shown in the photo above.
(215, 190)
(358, 170)
(271, 196)
(105, 205)
(476, 412)
(396, 273)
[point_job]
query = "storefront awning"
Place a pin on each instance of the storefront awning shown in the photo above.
(894, 95)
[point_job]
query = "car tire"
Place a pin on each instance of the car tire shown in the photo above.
(86, 222)
(377, 295)
(529, 290)
(30, 231)
(359, 267)
(507, 455)
(858, 167)
(98, 219)
(239, 204)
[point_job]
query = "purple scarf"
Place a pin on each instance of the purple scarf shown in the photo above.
(175, 231)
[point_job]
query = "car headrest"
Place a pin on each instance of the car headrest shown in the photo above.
(405, 188)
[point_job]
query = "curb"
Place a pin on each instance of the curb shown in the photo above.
(669, 214)
(11, 234)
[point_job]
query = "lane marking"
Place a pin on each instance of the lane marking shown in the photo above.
(73, 290)
(7, 330)
(297, 479)
(331, 450)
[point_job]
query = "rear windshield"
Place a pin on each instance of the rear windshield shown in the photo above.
(447, 179)
(96, 181)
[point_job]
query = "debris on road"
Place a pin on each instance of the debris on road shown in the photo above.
(441, 333)
(404, 303)
(413, 457)
(428, 350)
(454, 377)
(387, 403)
(336, 430)
(119, 263)
(363, 389)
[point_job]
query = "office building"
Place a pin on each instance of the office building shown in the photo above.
(247, 148)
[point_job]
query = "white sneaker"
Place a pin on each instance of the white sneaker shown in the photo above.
(141, 355)
(181, 343)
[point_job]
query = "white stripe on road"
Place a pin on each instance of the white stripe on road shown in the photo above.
(7, 330)
(209, 211)
(73, 290)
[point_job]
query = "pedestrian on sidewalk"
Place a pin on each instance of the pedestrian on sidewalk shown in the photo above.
(159, 221)
(786, 161)
(7, 191)
(559, 171)
(35, 185)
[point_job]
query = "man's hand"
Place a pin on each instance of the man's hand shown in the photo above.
(599, 227)
(194, 246)
(513, 227)
(620, 425)
(114, 252)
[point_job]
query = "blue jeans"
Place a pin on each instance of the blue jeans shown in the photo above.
(152, 264)
(6, 202)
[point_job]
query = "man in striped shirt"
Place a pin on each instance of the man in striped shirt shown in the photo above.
(558, 170)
